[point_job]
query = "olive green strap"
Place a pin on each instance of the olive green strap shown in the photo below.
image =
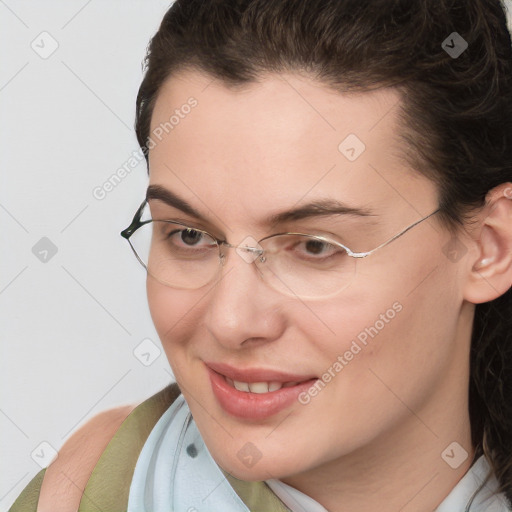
(257, 496)
(27, 500)
(109, 484)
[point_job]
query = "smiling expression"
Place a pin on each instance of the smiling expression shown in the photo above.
(243, 155)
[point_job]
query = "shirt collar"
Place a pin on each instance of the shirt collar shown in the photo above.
(469, 495)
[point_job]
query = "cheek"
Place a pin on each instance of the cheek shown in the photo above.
(391, 347)
(174, 313)
(409, 351)
(395, 324)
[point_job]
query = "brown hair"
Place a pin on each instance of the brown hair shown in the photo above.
(456, 114)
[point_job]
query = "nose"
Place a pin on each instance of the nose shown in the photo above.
(242, 309)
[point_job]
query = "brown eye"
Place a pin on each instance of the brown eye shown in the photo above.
(315, 246)
(178, 239)
(191, 236)
(306, 249)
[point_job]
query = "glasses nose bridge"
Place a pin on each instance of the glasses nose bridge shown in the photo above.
(256, 252)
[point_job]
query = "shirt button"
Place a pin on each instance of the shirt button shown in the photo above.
(192, 450)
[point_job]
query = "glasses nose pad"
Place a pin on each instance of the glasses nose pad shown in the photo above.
(222, 256)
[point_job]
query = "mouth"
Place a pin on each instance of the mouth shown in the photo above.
(257, 375)
(255, 394)
(259, 387)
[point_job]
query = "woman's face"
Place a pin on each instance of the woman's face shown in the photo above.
(390, 343)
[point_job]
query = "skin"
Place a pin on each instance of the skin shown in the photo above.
(373, 437)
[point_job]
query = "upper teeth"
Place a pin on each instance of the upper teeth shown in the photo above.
(259, 387)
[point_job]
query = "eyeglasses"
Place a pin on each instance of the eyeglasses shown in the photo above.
(295, 264)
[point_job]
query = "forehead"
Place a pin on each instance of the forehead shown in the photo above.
(276, 141)
(288, 106)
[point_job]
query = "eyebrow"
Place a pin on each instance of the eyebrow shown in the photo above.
(318, 208)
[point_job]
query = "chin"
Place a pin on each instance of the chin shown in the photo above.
(257, 473)
(272, 465)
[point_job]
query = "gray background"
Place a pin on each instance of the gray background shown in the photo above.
(72, 321)
(69, 323)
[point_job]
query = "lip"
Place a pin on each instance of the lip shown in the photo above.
(256, 374)
(255, 406)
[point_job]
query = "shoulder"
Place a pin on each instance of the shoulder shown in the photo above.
(67, 476)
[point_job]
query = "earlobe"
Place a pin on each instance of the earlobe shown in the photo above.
(491, 272)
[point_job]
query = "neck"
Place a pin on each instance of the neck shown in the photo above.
(410, 476)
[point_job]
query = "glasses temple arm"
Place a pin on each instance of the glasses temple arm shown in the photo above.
(364, 254)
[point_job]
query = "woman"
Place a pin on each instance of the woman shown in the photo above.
(328, 238)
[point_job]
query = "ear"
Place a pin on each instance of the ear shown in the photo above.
(491, 272)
